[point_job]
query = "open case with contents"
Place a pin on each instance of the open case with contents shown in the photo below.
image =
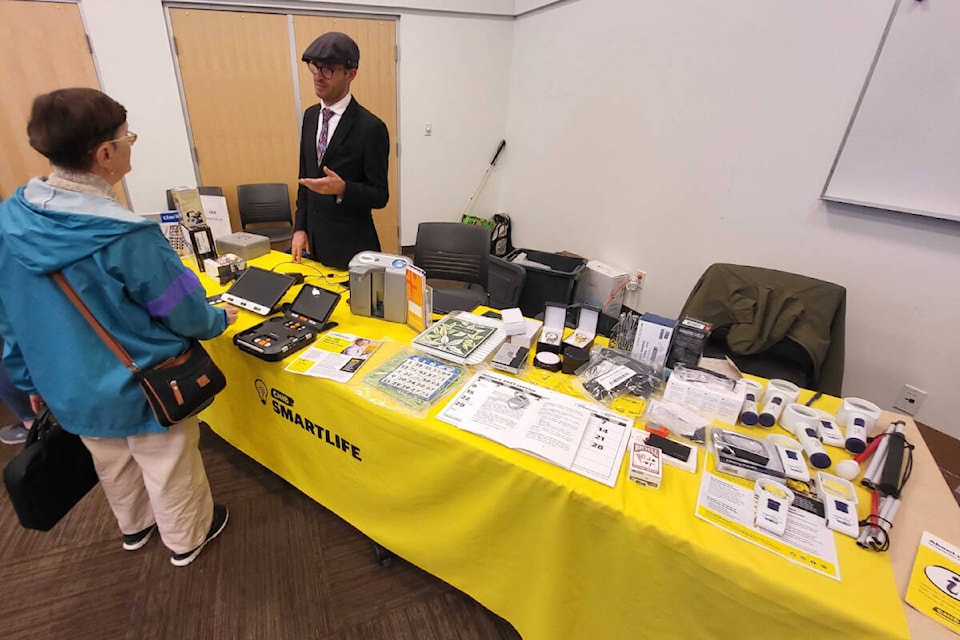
(277, 337)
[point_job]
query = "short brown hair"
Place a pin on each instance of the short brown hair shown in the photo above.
(67, 124)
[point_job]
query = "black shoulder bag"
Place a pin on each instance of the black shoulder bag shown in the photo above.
(175, 389)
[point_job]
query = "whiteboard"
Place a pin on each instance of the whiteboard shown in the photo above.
(901, 150)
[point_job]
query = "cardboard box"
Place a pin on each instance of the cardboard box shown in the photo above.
(707, 399)
(246, 245)
(224, 268)
(652, 342)
(531, 329)
(510, 358)
(601, 286)
(689, 338)
(169, 222)
(513, 323)
(645, 465)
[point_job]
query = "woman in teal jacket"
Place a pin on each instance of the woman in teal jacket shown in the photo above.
(136, 286)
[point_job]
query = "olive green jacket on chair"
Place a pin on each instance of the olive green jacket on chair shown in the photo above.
(761, 307)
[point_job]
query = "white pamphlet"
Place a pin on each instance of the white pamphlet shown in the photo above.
(561, 429)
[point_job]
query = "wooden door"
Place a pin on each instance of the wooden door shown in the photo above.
(238, 87)
(375, 88)
(42, 47)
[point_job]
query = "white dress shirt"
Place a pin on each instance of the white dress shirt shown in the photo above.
(338, 108)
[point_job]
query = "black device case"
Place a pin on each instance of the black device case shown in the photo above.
(277, 337)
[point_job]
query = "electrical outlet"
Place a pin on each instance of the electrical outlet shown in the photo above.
(909, 400)
(640, 279)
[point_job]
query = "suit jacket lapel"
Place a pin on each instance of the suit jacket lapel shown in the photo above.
(343, 128)
(310, 139)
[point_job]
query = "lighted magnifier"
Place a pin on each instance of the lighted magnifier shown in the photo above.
(839, 503)
(773, 504)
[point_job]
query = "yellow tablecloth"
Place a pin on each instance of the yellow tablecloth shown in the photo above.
(556, 554)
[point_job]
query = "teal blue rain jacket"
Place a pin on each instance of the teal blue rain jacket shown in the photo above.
(123, 268)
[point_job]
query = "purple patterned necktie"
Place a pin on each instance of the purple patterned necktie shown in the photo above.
(322, 142)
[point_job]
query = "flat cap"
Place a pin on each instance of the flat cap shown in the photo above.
(335, 47)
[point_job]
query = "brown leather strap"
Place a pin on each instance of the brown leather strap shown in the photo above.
(105, 335)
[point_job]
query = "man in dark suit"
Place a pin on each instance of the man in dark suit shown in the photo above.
(344, 151)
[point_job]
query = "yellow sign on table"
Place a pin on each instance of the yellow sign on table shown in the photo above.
(934, 588)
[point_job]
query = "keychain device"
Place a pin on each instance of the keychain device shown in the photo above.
(839, 503)
(828, 430)
(773, 505)
(791, 455)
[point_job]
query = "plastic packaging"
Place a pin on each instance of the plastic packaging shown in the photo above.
(414, 382)
(610, 374)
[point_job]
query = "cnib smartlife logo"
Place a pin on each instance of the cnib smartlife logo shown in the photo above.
(283, 405)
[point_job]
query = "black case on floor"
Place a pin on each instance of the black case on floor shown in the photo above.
(276, 338)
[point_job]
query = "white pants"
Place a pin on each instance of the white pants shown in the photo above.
(157, 477)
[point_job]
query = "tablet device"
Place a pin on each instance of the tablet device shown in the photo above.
(258, 290)
(315, 303)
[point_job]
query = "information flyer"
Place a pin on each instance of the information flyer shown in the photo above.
(335, 356)
(934, 588)
(728, 504)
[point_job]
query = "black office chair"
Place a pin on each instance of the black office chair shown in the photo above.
(204, 191)
(504, 283)
(458, 252)
(262, 204)
(774, 324)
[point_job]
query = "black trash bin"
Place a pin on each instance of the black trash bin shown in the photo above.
(553, 282)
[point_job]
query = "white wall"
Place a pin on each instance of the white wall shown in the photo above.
(132, 52)
(453, 72)
(666, 136)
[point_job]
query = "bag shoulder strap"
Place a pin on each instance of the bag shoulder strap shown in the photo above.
(105, 335)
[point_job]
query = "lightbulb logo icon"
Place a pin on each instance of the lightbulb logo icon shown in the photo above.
(261, 390)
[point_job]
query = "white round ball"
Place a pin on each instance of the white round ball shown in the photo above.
(847, 469)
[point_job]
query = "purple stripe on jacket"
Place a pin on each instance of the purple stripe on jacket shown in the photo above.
(187, 283)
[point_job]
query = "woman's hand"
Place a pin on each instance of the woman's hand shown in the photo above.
(232, 313)
(37, 403)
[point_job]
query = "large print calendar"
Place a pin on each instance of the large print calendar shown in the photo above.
(416, 380)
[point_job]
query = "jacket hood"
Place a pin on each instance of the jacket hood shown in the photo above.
(47, 228)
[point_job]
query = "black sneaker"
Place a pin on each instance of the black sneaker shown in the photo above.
(133, 541)
(220, 515)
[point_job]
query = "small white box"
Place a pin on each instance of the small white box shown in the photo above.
(224, 268)
(531, 329)
(601, 285)
(645, 466)
(706, 399)
(513, 323)
(510, 358)
(586, 330)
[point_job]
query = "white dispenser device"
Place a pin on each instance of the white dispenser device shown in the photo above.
(378, 285)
